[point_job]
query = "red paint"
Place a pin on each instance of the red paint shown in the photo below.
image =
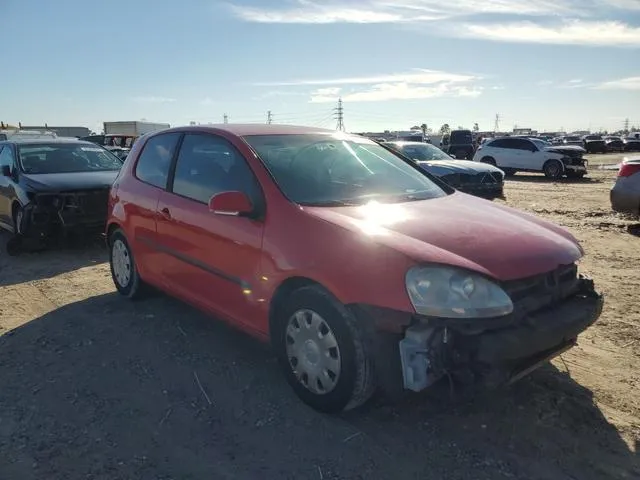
(360, 254)
(231, 203)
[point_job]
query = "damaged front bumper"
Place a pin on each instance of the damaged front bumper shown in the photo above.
(493, 351)
(48, 215)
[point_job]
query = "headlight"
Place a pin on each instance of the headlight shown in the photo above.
(454, 293)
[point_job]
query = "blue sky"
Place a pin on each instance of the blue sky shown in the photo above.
(545, 64)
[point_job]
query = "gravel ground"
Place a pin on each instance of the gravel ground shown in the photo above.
(95, 387)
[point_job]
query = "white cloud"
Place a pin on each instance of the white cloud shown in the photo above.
(394, 11)
(602, 29)
(152, 99)
(573, 32)
(629, 83)
(417, 75)
(426, 84)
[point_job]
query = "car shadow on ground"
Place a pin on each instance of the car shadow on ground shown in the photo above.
(57, 259)
(521, 177)
(106, 388)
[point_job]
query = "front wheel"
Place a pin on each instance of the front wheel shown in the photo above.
(322, 351)
(552, 169)
(489, 160)
(123, 267)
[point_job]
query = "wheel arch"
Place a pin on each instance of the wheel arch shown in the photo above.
(111, 227)
(286, 288)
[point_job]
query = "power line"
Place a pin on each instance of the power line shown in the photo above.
(340, 116)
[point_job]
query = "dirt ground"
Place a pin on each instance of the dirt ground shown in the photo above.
(95, 387)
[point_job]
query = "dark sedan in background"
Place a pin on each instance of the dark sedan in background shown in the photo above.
(594, 144)
(631, 144)
(53, 187)
(614, 144)
(475, 178)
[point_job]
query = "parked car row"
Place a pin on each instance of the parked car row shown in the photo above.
(599, 143)
(363, 270)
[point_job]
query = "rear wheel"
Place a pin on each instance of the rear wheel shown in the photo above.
(323, 351)
(552, 169)
(489, 160)
(123, 267)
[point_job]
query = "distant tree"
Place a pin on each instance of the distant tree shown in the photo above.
(415, 127)
(460, 127)
(445, 129)
(424, 128)
(476, 128)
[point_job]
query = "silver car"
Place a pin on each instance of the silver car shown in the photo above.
(625, 194)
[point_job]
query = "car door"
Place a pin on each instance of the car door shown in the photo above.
(504, 153)
(7, 188)
(211, 260)
(526, 156)
(141, 197)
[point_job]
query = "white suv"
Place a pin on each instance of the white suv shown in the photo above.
(513, 154)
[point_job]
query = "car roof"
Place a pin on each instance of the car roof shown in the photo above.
(40, 141)
(243, 129)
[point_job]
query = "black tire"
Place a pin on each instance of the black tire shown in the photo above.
(553, 169)
(355, 379)
(135, 288)
(489, 160)
(509, 172)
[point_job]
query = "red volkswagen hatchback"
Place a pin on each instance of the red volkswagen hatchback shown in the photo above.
(362, 270)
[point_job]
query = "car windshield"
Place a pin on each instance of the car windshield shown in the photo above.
(422, 152)
(66, 158)
(340, 169)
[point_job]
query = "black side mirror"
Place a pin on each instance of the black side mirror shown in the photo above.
(6, 170)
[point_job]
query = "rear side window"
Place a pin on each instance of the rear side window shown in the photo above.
(501, 143)
(208, 164)
(521, 144)
(155, 160)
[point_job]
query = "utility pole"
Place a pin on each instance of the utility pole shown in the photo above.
(225, 118)
(496, 125)
(269, 117)
(339, 114)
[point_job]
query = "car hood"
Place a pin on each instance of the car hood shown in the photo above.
(64, 182)
(446, 167)
(565, 149)
(462, 231)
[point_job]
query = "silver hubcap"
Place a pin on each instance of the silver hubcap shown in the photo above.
(121, 262)
(313, 352)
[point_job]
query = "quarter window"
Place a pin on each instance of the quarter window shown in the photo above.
(6, 157)
(207, 165)
(155, 160)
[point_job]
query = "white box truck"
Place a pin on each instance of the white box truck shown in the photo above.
(134, 129)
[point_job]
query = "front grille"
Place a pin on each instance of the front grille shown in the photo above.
(534, 293)
(85, 207)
